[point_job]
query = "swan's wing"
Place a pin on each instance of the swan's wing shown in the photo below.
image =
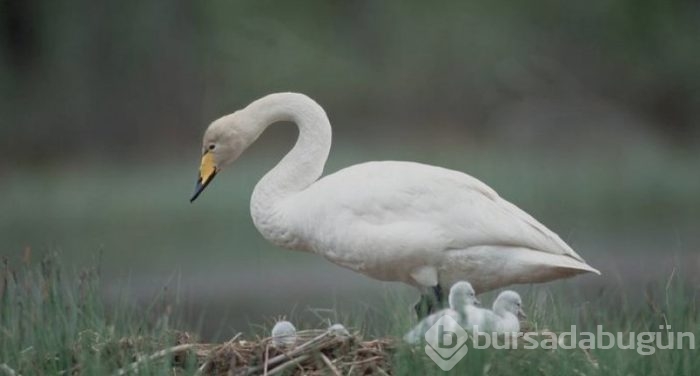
(414, 207)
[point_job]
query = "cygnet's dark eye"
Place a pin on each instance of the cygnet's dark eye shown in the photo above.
(211, 147)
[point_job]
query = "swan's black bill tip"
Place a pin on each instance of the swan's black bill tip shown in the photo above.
(199, 186)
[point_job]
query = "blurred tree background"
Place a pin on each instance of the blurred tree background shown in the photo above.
(121, 78)
(586, 114)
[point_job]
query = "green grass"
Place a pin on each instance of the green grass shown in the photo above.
(53, 321)
(676, 305)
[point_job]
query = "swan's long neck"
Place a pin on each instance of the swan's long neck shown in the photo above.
(300, 168)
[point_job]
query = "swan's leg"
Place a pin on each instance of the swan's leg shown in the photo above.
(437, 292)
(427, 276)
(430, 302)
(424, 306)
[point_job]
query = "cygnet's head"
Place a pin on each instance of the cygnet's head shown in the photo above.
(284, 334)
(509, 301)
(462, 294)
(224, 141)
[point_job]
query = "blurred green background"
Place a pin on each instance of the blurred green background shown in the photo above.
(586, 115)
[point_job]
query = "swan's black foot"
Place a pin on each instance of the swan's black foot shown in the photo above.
(428, 304)
(424, 306)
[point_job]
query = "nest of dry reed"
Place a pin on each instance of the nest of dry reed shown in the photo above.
(316, 352)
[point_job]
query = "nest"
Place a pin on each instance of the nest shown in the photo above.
(316, 352)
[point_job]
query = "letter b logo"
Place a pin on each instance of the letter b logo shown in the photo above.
(446, 342)
(446, 339)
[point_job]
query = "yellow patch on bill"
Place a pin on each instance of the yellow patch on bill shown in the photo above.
(207, 169)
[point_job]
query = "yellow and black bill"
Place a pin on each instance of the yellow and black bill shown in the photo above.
(207, 172)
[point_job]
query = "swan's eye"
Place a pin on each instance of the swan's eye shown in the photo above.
(211, 147)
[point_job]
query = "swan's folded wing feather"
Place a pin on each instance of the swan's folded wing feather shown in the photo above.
(427, 207)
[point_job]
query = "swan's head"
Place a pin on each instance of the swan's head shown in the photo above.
(509, 301)
(224, 141)
(462, 294)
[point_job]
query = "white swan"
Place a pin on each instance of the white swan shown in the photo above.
(461, 298)
(394, 221)
(504, 318)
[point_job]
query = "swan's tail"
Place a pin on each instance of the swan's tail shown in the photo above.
(517, 265)
(572, 264)
(547, 266)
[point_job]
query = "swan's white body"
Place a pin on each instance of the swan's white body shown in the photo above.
(393, 221)
(424, 225)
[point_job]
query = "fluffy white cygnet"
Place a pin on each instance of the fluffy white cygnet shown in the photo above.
(461, 297)
(284, 334)
(504, 317)
(338, 330)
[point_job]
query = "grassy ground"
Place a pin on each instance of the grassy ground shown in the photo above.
(53, 321)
